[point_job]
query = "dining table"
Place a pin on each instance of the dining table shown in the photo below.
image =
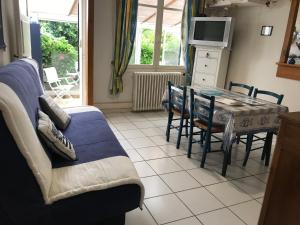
(239, 113)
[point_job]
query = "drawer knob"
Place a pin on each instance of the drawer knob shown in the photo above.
(205, 65)
(203, 79)
(207, 54)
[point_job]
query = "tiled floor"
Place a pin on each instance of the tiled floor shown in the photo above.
(178, 191)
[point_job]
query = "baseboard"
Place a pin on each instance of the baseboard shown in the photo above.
(123, 106)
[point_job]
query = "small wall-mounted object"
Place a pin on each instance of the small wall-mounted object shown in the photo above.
(266, 30)
(2, 44)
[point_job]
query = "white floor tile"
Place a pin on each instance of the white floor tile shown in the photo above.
(171, 150)
(119, 119)
(118, 135)
(151, 153)
(132, 134)
(125, 144)
(143, 137)
(160, 123)
(188, 221)
(249, 212)
(154, 186)
(199, 200)
(228, 193)
(260, 200)
(143, 169)
(144, 124)
(164, 165)
(125, 126)
(141, 142)
(167, 208)
(159, 140)
(138, 217)
(134, 156)
(220, 217)
(186, 163)
(254, 167)
(233, 171)
(206, 176)
(136, 117)
(153, 131)
(180, 181)
(263, 177)
(252, 186)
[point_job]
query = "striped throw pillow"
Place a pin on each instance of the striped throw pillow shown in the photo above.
(60, 118)
(54, 139)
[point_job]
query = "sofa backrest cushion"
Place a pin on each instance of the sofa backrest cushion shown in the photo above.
(23, 79)
(20, 88)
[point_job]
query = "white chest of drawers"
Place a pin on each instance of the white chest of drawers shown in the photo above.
(210, 66)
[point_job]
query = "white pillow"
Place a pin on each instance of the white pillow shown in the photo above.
(60, 118)
(54, 139)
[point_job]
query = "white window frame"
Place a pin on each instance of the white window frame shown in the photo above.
(157, 44)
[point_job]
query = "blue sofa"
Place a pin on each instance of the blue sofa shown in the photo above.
(37, 189)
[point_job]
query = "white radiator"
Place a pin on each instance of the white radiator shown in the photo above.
(149, 87)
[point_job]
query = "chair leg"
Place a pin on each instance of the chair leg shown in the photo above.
(187, 127)
(202, 136)
(206, 149)
(170, 118)
(248, 148)
(225, 163)
(190, 140)
(229, 155)
(238, 138)
(263, 154)
(268, 147)
(179, 132)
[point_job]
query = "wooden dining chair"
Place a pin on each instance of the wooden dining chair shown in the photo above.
(240, 85)
(266, 139)
(249, 93)
(201, 116)
(177, 106)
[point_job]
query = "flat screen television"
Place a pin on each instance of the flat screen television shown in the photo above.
(211, 31)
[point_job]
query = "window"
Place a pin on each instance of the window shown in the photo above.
(158, 33)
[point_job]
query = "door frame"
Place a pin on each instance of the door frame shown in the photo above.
(89, 50)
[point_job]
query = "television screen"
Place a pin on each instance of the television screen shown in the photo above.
(209, 30)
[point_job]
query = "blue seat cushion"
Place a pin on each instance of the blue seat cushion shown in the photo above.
(92, 139)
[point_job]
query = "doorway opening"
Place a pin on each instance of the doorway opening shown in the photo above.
(56, 37)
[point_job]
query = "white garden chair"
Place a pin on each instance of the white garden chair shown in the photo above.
(56, 84)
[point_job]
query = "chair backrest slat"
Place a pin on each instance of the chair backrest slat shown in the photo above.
(278, 97)
(176, 97)
(245, 86)
(202, 107)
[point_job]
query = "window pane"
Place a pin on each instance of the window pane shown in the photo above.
(143, 51)
(171, 38)
(148, 2)
(175, 4)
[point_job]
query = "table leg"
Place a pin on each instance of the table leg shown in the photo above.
(268, 147)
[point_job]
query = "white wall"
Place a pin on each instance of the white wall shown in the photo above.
(254, 57)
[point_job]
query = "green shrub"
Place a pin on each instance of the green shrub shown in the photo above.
(57, 52)
(62, 29)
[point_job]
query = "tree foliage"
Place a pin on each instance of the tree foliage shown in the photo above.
(57, 47)
(57, 52)
(147, 48)
(62, 29)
